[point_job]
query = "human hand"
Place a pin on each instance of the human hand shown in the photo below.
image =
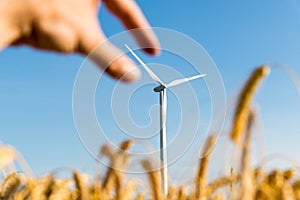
(72, 26)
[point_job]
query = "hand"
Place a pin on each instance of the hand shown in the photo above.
(72, 26)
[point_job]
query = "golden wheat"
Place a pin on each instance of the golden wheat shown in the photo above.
(243, 104)
(244, 183)
(154, 179)
(9, 186)
(202, 171)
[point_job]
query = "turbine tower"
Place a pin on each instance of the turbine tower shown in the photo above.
(163, 110)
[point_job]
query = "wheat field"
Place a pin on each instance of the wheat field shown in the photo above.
(245, 183)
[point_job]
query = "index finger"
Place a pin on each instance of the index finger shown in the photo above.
(132, 18)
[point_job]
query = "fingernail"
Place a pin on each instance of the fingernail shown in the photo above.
(152, 51)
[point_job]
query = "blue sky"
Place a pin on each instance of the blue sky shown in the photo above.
(36, 87)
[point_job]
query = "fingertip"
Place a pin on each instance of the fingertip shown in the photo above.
(115, 63)
(124, 70)
(147, 40)
(131, 75)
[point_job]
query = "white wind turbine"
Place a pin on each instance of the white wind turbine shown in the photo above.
(163, 108)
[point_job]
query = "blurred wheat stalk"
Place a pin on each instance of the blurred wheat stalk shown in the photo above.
(248, 183)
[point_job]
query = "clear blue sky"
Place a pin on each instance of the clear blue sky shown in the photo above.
(36, 87)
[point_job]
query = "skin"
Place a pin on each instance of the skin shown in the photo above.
(69, 26)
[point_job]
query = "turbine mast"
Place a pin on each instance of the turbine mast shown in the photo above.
(163, 141)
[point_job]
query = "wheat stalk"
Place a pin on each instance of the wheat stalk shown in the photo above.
(154, 180)
(203, 165)
(243, 105)
(9, 186)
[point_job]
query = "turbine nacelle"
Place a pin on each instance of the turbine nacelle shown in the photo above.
(159, 88)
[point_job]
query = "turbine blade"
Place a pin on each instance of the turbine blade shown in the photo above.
(180, 81)
(148, 70)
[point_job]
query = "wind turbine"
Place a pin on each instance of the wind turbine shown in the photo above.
(163, 108)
